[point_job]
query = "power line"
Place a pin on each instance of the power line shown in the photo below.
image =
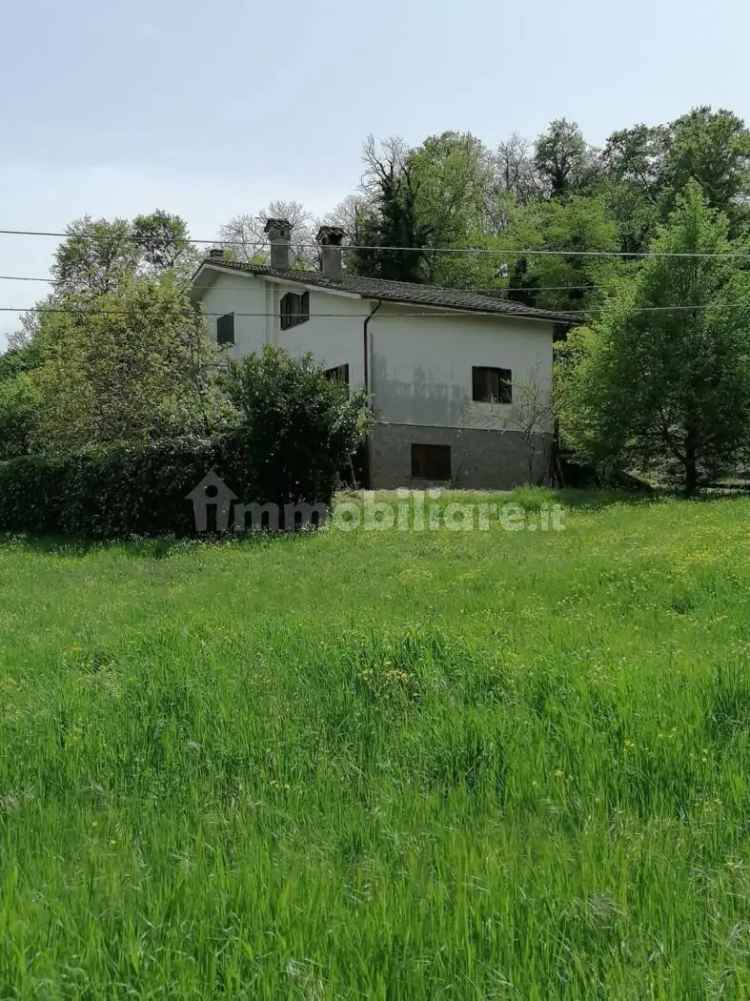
(446, 312)
(488, 293)
(24, 278)
(548, 253)
(51, 233)
(477, 251)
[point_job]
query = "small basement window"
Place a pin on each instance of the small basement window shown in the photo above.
(492, 385)
(340, 373)
(225, 329)
(431, 462)
(294, 309)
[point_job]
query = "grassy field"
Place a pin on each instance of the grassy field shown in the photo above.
(381, 765)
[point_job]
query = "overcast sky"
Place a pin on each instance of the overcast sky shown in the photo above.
(211, 109)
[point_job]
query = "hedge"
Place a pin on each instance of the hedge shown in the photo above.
(123, 491)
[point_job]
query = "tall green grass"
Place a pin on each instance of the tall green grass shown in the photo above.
(383, 765)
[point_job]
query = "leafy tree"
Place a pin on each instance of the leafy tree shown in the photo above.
(98, 254)
(19, 359)
(452, 182)
(712, 148)
(163, 244)
(133, 366)
(19, 402)
(659, 388)
(95, 256)
(300, 428)
(633, 167)
(646, 169)
(636, 156)
(557, 281)
(563, 160)
(390, 216)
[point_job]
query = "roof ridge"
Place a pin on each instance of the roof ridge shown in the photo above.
(465, 300)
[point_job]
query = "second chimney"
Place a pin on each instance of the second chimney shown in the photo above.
(279, 231)
(329, 239)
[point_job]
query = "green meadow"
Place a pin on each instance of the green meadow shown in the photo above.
(380, 764)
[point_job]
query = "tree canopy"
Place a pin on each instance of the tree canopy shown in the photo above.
(661, 381)
(135, 367)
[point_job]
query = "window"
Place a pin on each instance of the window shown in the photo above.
(294, 309)
(225, 329)
(431, 462)
(338, 374)
(492, 385)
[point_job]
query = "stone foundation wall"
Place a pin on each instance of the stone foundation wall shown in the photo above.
(480, 459)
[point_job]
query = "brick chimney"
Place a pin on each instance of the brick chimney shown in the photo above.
(279, 231)
(329, 239)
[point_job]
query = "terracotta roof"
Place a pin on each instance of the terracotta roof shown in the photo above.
(406, 292)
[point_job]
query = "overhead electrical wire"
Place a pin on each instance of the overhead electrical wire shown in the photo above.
(478, 251)
(483, 291)
(438, 312)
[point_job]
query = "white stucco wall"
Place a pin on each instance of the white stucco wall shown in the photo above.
(234, 293)
(335, 338)
(334, 332)
(422, 366)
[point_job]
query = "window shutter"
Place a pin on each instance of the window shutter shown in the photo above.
(294, 309)
(477, 388)
(225, 329)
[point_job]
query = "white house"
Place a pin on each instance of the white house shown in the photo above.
(453, 375)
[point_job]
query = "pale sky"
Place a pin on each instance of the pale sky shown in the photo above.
(211, 109)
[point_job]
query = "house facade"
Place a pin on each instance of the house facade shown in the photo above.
(460, 383)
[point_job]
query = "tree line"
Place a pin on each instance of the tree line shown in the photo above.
(653, 377)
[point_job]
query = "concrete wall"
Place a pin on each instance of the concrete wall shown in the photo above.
(480, 459)
(422, 366)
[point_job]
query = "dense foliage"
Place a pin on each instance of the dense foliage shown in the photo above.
(117, 492)
(295, 433)
(301, 428)
(135, 368)
(664, 389)
(97, 254)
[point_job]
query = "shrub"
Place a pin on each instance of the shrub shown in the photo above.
(119, 492)
(298, 430)
(300, 427)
